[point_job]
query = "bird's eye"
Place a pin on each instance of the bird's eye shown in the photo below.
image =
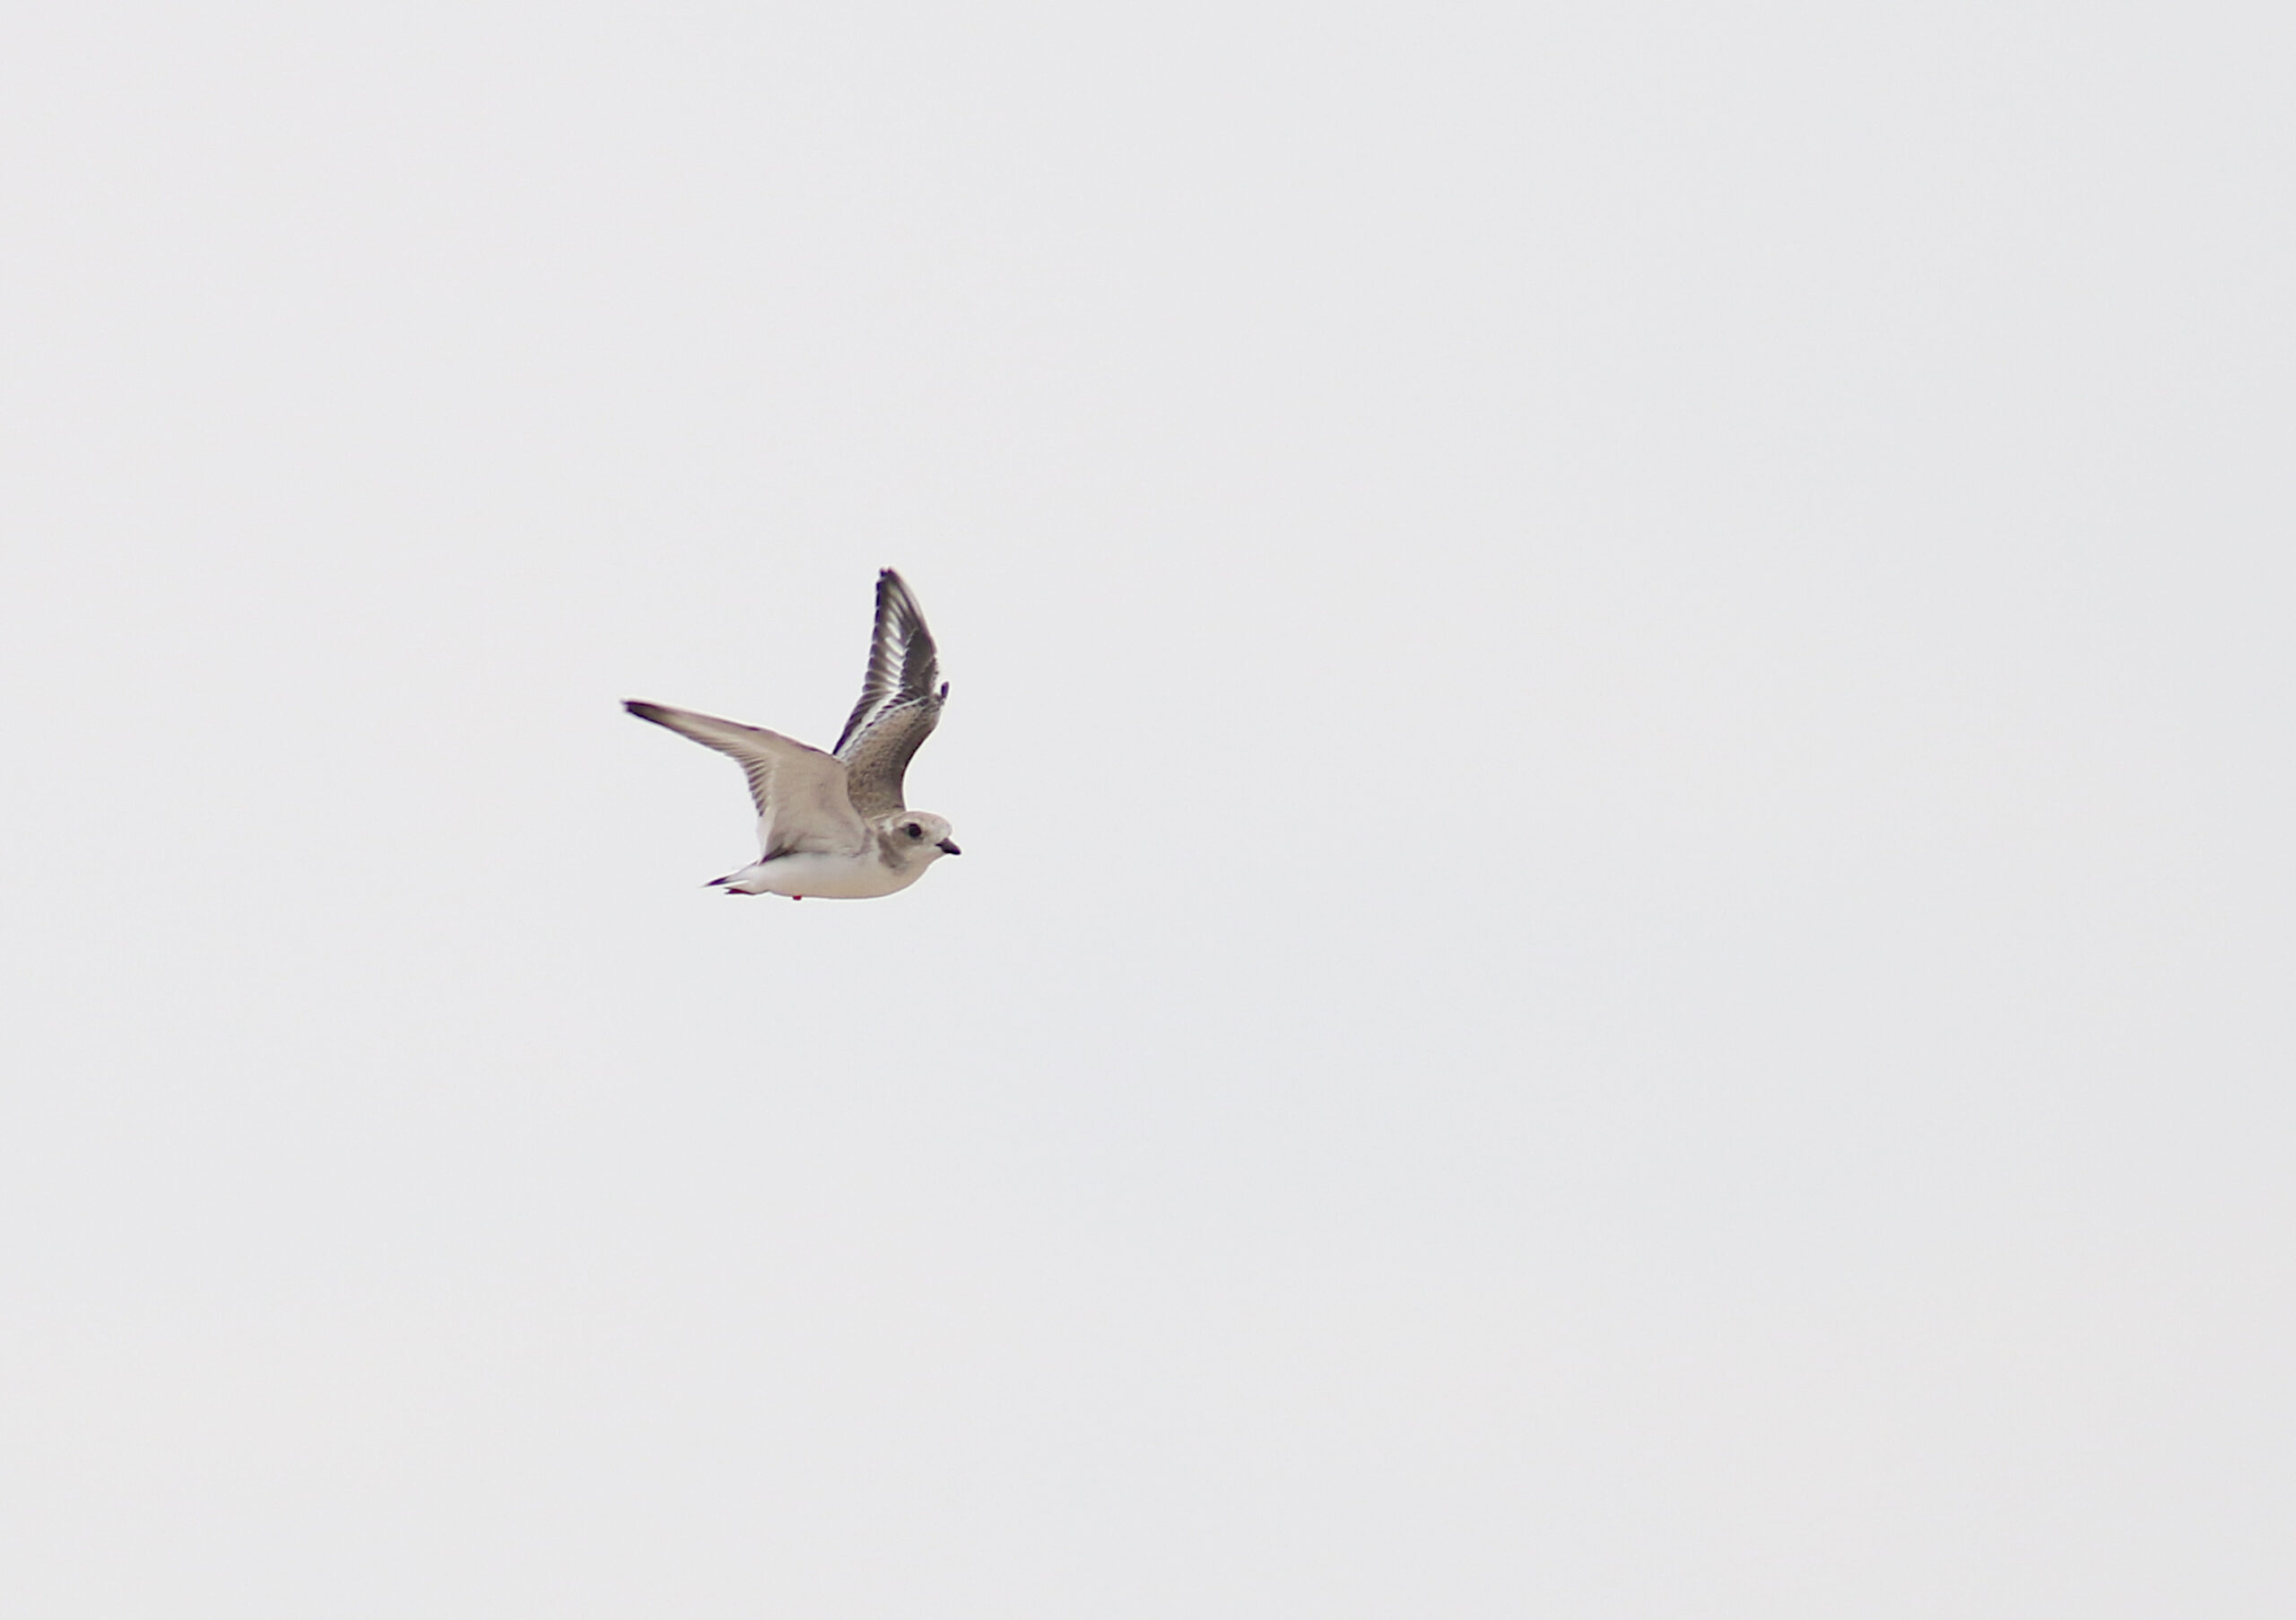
(915, 831)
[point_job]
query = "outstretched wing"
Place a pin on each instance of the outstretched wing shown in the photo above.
(801, 793)
(901, 701)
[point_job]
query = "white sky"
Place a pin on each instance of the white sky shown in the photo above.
(1621, 725)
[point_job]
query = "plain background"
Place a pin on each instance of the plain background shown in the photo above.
(1621, 725)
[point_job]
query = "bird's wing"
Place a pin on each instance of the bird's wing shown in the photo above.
(901, 701)
(800, 792)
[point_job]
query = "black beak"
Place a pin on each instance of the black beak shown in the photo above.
(946, 848)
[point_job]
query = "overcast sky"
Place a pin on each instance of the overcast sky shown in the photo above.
(1621, 725)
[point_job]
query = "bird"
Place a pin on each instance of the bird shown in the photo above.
(833, 825)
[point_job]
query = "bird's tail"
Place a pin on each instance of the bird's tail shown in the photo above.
(738, 882)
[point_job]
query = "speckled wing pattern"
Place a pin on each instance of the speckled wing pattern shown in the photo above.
(900, 703)
(801, 793)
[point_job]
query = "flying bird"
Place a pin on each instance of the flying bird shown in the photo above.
(833, 825)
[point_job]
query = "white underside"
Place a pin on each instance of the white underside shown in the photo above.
(824, 877)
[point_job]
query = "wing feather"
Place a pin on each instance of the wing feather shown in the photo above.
(801, 794)
(901, 701)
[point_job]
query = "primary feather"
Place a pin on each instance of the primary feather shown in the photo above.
(901, 701)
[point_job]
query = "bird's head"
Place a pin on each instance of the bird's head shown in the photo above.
(918, 836)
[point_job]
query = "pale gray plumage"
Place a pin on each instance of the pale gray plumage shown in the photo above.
(835, 824)
(801, 794)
